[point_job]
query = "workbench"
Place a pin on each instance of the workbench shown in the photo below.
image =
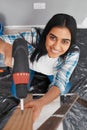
(22, 121)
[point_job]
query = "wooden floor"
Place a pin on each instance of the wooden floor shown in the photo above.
(20, 121)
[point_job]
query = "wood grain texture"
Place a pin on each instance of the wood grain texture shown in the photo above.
(20, 121)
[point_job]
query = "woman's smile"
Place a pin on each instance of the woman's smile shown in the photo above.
(54, 50)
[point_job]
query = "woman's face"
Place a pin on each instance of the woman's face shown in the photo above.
(58, 41)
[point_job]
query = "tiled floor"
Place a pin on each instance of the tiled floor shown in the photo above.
(47, 111)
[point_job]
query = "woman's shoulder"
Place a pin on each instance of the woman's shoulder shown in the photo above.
(74, 49)
(73, 53)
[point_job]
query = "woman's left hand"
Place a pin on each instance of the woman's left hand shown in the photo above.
(36, 106)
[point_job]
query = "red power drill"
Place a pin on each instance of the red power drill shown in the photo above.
(20, 69)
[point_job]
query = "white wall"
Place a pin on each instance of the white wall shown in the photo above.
(21, 12)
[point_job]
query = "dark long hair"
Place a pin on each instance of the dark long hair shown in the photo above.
(58, 20)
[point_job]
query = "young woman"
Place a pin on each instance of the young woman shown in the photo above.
(55, 56)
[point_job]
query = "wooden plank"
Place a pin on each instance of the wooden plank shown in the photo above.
(54, 121)
(20, 121)
(82, 102)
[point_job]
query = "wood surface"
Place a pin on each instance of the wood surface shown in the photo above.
(52, 123)
(20, 121)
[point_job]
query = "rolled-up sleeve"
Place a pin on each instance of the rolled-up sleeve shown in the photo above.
(64, 71)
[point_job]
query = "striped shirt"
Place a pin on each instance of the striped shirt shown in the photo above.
(61, 69)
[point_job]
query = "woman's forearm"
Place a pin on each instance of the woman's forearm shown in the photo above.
(38, 104)
(52, 94)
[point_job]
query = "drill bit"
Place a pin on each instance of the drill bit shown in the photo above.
(22, 105)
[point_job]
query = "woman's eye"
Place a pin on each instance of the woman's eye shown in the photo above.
(53, 38)
(66, 41)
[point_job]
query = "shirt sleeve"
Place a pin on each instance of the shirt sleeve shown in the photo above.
(64, 71)
(31, 36)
